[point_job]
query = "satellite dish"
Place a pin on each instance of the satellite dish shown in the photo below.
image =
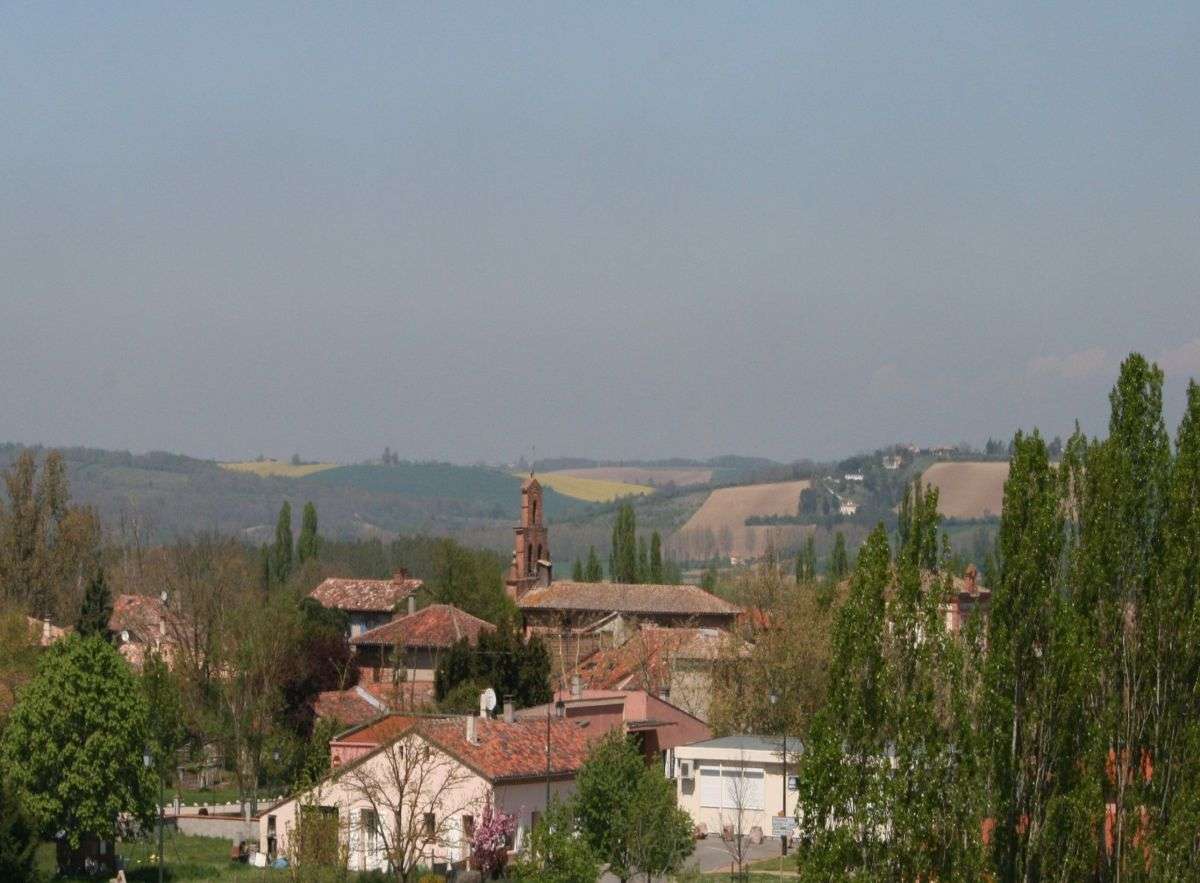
(124, 637)
(487, 700)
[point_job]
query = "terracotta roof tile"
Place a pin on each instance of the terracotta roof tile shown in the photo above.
(345, 706)
(626, 598)
(145, 618)
(514, 750)
(643, 662)
(438, 625)
(364, 595)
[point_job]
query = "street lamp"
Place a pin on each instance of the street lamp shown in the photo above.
(148, 760)
(774, 697)
(558, 709)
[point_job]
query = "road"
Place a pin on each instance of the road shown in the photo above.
(712, 854)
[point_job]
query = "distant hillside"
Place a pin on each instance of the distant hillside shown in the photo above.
(169, 495)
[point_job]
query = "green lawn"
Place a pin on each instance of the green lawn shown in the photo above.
(187, 858)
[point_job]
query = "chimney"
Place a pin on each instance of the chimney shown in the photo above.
(969, 578)
(412, 604)
(400, 575)
(576, 686)
(471, 730)
(509, 714)
(46, 631)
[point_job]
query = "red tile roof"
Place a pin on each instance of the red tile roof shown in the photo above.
(438, 625)
(377, 732)
(643, 662)
(516, 750)
(145, 618)
(626, 598)
(346, 706)
(364, 595)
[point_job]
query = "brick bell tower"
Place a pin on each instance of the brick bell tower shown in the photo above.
(531, 565)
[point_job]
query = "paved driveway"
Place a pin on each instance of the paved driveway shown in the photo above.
(712, 854)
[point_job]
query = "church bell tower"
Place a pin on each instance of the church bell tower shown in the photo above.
(531, 564)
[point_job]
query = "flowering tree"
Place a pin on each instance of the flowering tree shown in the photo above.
(489, 845)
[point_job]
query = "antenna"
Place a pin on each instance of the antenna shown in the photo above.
(532, 458)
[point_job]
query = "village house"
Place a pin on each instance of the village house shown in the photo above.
(421, 793)
(367, 603)
(656, 726)
(142, 625)
(966, 599)
(675, 664)
(848, 508)
(735, 784)
(405, 651)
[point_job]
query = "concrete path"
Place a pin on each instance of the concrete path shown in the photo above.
(712, 854)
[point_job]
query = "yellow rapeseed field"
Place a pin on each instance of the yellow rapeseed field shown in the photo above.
(280, 468)
(594, 490)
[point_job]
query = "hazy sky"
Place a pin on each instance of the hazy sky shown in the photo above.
(465, 230)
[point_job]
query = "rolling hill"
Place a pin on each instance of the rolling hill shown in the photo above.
(723, 516)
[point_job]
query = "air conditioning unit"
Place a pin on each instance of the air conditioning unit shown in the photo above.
(685, 769)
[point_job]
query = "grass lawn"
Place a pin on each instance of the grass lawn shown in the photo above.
(187, 858)
(224, 794)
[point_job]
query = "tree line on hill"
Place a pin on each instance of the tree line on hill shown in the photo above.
(631, 559)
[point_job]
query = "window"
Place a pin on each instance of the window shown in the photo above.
(533, 819)
(468, 825)
(731, 787)
(369, 825)
(430, 825)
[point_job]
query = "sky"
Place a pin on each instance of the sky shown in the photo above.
(481, 231)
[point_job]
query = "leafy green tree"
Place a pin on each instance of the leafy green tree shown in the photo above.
(18, 837)
(97, 606)
(917, 537)
(1034, 683)
(839, 561)
(165, 724)
(470, 579)
(556, 852)
(281, 554)
(1176, 803)
(656, 575)
(516, 668)
(643, 561)
(74, 742)
(593, 572)
(577, 571)
(309, 547)
(626, 811)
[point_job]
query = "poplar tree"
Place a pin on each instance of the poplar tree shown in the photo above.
(806, 561)
(656, 560)
(593, 572)
(1034, 683)
(577, 571)
(281, 554)
(308, 549)
(623, 557)
(643, 561)
(839, 561)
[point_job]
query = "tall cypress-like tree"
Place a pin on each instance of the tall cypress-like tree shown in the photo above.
(1034, 683)
(623, 558)
(839, 561)
(577, 571)
(656, 560)
(806, 561)
(309, 547)
(96, 610)
(643, 560)
(593, 571)
(281, 554)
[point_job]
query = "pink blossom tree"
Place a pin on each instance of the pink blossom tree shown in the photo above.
(489, 845)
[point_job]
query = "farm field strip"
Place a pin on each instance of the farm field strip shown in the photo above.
(968, 490)
(277, 468)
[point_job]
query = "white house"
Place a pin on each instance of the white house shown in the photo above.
(416, 798)
(847, 507)
(736, 782)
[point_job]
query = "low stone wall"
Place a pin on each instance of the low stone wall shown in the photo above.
(233, 827)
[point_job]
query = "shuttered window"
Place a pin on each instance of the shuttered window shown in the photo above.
(731, 787)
